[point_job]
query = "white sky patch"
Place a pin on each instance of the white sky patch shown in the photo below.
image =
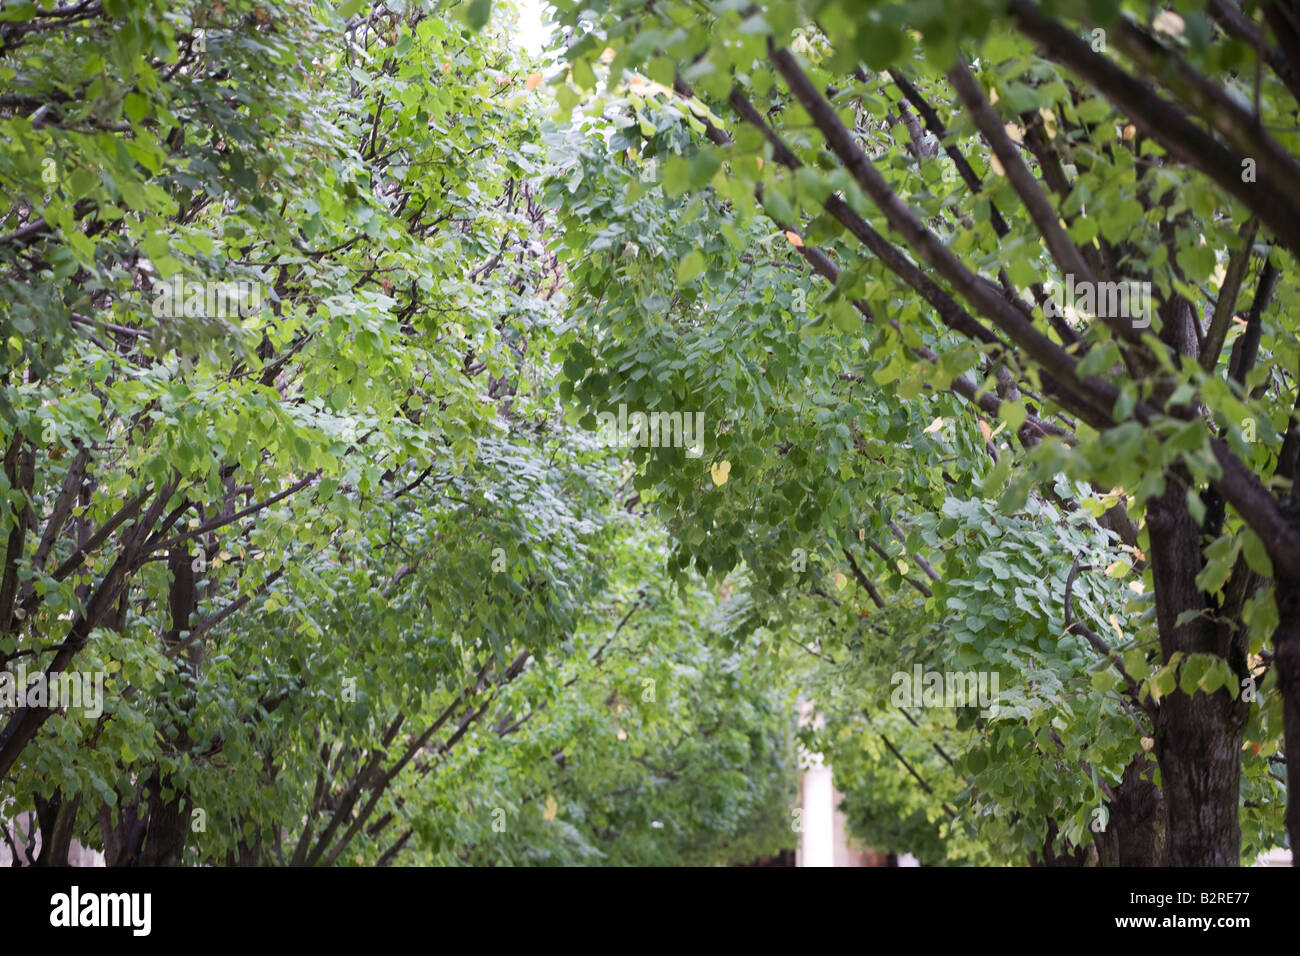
(533, 28)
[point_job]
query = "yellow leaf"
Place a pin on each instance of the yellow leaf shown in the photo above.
(1130, 131)
(1049, 121)
(534, 79)
(996, 166)
(1013, 133)
(985, 430)
(840, 580)
(552, 808)
(933, 427)
(720, 471)
(794, 239)
(1147, 743)
(607, 54)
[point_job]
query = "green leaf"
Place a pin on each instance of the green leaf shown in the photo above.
(1196, 261)
(478, 14)
(1256, 555)
(1193, 670)
(1218, 674)
(879, 45)
(1164, 680)
(676, 176)
(692, 265)
(779, 207)
(1013, 413)
(1104, 680)
(586, 80)
(1135, 663)
(997, 477)
(703, 166)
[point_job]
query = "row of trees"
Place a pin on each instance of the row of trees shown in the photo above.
(365, 584)
(843, 229)
(358, 591)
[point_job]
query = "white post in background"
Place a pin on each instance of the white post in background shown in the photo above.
(817, 803)
(817, 842)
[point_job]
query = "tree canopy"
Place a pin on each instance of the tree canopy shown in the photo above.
(314, 318)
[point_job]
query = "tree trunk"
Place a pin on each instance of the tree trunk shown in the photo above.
(1197, 738)
(1135, 831)
(166, 830)
(1075, 857)
(1286, 645)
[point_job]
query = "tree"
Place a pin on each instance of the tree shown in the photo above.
(285, 468)
(953, 337)
(952, 171)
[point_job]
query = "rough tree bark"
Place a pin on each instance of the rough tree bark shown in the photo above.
(1135, 832)
(1197, 738)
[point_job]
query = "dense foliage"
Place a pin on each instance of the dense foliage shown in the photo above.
(852, 226)
(358, 588)
(313, 319)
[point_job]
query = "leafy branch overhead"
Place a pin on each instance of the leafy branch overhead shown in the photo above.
(971, 191)
(445, 453)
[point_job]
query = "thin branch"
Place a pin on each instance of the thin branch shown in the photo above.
(1226, 304)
